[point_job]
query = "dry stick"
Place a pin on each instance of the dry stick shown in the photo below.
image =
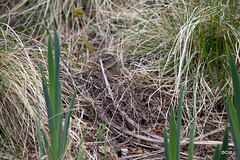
(146, 155)
(109, 91)
(153, 140)
(107, 83)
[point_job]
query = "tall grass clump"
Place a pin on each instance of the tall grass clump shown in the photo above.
(19, 94)
(35, 18)
(200, 40)
(56, 149)
(189, 36)
(199, 52)
(23, 28)
(182, 43)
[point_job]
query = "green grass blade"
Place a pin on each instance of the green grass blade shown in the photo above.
(81, 151)
(237, 153)
(236, 84)
(51, 72)
(216, 155)
(52, 126)
(203, 43)
(57, 60)
(80, 155)
(39, 133)
(61, 148)
(59, 120)
(67, 119)
(236, 91)
(191, 144)
(230, 120)
(233, 116)
(1, 85)
(45, 139)
(57, 95)
(47, 100)
(166, 147)
(39, 140)
(58, 134)
(179, 118)
(172, 136)
(224, 145)
(89, 47)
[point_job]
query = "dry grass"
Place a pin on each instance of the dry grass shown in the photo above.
(155, 48)
(20, 95)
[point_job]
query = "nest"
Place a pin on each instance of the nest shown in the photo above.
(132, 109)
